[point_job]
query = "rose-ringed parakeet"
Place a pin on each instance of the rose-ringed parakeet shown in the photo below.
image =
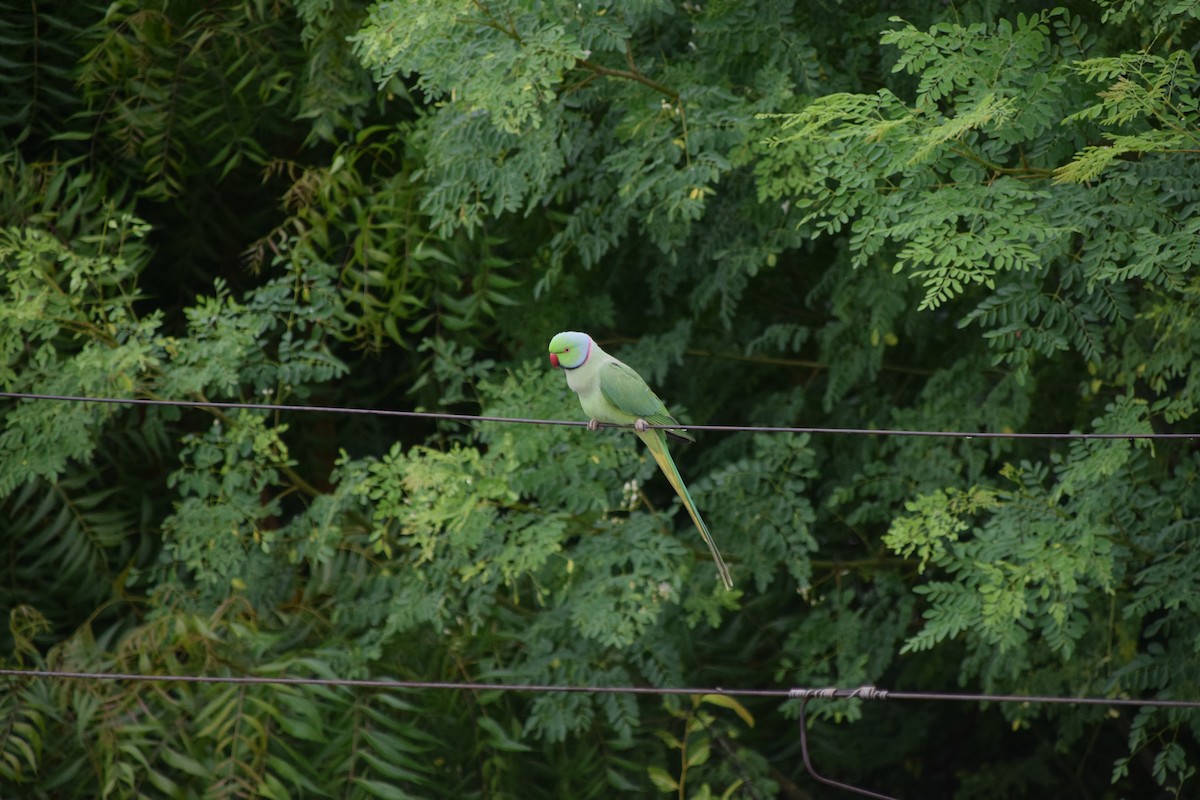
(610, 391)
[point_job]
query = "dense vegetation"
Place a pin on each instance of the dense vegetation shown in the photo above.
(974, 216)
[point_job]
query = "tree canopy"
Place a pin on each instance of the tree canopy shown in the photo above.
(975, 217)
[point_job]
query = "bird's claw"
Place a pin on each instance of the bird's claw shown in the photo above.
(593, 425)
(640, 425)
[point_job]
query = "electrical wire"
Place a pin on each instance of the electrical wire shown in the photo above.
(861, 692)
(381, 683)
(804, 695)
(812, 771)
(438, 415)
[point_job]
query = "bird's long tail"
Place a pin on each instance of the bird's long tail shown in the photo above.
(656, 443)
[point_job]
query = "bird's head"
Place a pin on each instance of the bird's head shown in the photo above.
(570, 349)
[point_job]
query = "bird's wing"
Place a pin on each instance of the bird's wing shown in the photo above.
(626, 390)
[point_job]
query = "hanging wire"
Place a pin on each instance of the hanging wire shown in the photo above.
(438, 415)
(805, 695)
(871, 693)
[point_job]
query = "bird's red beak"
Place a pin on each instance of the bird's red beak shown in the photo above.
(554, 360)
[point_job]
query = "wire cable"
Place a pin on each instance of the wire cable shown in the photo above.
(871, 693)
(382, 683)
(379, 412)
(438, 415)
(804, 695)
(812, 772)
(862, 692)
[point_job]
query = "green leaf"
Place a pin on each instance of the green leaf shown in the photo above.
(500, 739)
(662, 780)
(725, 701)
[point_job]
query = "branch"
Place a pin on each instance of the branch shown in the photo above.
(631, 75)
(298, 482)
(776, 360)
(1017, 172)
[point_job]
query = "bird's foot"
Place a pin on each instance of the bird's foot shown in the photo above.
(640, 425)
(593, 424)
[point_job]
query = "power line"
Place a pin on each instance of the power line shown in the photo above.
(377, 412)
(812, 771)
(871, 693)
(382, 683)
(438, 415)
(861, 692)
(803, 695)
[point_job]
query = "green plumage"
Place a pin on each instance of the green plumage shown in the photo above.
(611, 391)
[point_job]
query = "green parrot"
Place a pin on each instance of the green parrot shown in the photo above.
(610, 391)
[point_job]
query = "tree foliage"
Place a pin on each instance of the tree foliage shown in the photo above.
(896, 216)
